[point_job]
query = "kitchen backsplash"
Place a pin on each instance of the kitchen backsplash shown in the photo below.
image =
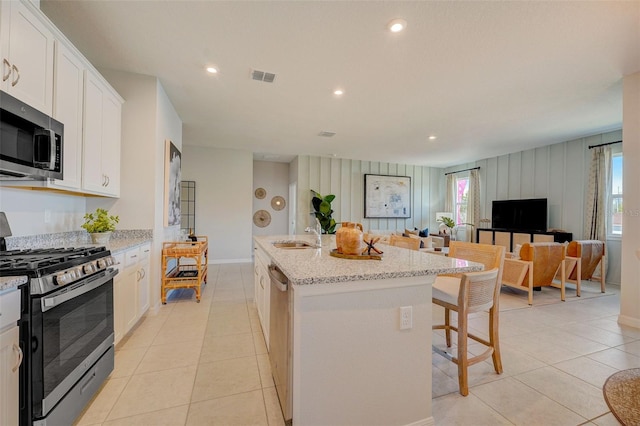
(68, 239)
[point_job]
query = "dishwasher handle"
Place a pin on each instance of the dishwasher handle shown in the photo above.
(278, 278)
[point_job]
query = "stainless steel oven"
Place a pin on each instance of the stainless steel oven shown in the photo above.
(66, 330)
(71, 330)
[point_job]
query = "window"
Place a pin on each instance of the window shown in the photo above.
(462, 197)
(614, 218)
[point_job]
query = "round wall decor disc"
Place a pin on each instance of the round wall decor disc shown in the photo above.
(262, 218)
(278, 203)
(261, 193)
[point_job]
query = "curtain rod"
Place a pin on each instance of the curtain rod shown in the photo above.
(465, 170)
(604, 144)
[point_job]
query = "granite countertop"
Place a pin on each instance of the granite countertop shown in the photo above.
(8, 283)
(120, 240)
(317, 266)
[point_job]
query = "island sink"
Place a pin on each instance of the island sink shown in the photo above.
(293, 245)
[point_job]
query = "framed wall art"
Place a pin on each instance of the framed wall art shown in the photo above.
(387, 196)
(172, 179)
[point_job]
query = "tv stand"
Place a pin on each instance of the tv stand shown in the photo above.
(509, 238)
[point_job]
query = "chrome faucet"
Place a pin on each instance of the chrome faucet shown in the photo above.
(317, 231)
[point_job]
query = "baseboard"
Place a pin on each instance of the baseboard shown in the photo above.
(630, 321)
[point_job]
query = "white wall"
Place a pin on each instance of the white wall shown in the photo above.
(345, 179)
(274, 178)
(224, 191)
(630, 289)
(557, 172)
(25, 210)
(148, 120)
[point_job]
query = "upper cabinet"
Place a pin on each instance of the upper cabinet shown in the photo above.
(102, 117)
(41, 67)
(27, 56)
(68, 109)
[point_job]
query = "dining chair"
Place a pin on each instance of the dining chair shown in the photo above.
(466, 294)
(405, 242)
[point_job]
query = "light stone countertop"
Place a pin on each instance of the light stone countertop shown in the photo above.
(8, 283)
(316, 266)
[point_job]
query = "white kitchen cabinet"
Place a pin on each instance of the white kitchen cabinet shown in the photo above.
(124, 294)
(101, 135)
(262, 290)
(10, 357)
(143, 271)
(68, 109)
(26, 44)
(131, 288)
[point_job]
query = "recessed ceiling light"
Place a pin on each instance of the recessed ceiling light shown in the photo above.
(338, 92)
(431, 137)
(212, 70)
(397, 25)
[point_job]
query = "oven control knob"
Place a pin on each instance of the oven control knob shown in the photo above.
(101, 264)
(63, 278)
(89, 268)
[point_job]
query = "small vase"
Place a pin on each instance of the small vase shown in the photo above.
(101, 237)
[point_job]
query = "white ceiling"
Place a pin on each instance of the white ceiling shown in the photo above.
(487, 78)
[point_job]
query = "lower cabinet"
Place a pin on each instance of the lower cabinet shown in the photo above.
(131, 289)
(262, 290)
(143, 271)
(10, 357)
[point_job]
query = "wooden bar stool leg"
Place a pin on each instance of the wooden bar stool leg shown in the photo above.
(494, 339)
(447, 326)
(463, 379)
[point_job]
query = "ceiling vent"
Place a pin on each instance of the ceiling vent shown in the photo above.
(326, 134)
(267, 77)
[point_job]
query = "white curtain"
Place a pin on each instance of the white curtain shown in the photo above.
(450, 198)
(597, 203)
(473, 203)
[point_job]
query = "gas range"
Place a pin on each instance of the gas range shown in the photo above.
(50, 269)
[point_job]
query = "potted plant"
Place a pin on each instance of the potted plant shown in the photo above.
(448, 223)
(100, 225)
(322, 207)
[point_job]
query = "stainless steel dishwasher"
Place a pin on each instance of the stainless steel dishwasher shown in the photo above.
(280, 339)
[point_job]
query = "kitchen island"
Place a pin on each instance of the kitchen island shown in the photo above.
(353, 362)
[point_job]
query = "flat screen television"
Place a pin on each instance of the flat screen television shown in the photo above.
(521, 215)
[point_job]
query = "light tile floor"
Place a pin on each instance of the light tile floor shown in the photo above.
(206, 363)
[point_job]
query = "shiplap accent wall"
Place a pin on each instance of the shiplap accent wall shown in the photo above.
(345, 179)
(557, 172)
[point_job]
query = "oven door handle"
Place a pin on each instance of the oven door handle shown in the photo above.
(53, 301)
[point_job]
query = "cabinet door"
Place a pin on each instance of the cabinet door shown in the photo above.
(27, 56)
(129, 299)
(9, 361)
(67, 108)
(92, 176)
(144, 269)
(111, 137)
(101, 137)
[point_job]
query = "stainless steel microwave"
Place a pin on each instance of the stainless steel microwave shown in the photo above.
(31, 142)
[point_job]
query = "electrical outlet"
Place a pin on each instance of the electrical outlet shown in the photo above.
(47, 216)
(406, 317)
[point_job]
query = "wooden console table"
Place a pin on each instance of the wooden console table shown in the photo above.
(190, 268)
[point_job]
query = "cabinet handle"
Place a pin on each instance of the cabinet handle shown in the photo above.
(108, 180)
(6, 67)
(17, 350)
(16, 73)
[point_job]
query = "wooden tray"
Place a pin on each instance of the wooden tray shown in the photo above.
(335, 253)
